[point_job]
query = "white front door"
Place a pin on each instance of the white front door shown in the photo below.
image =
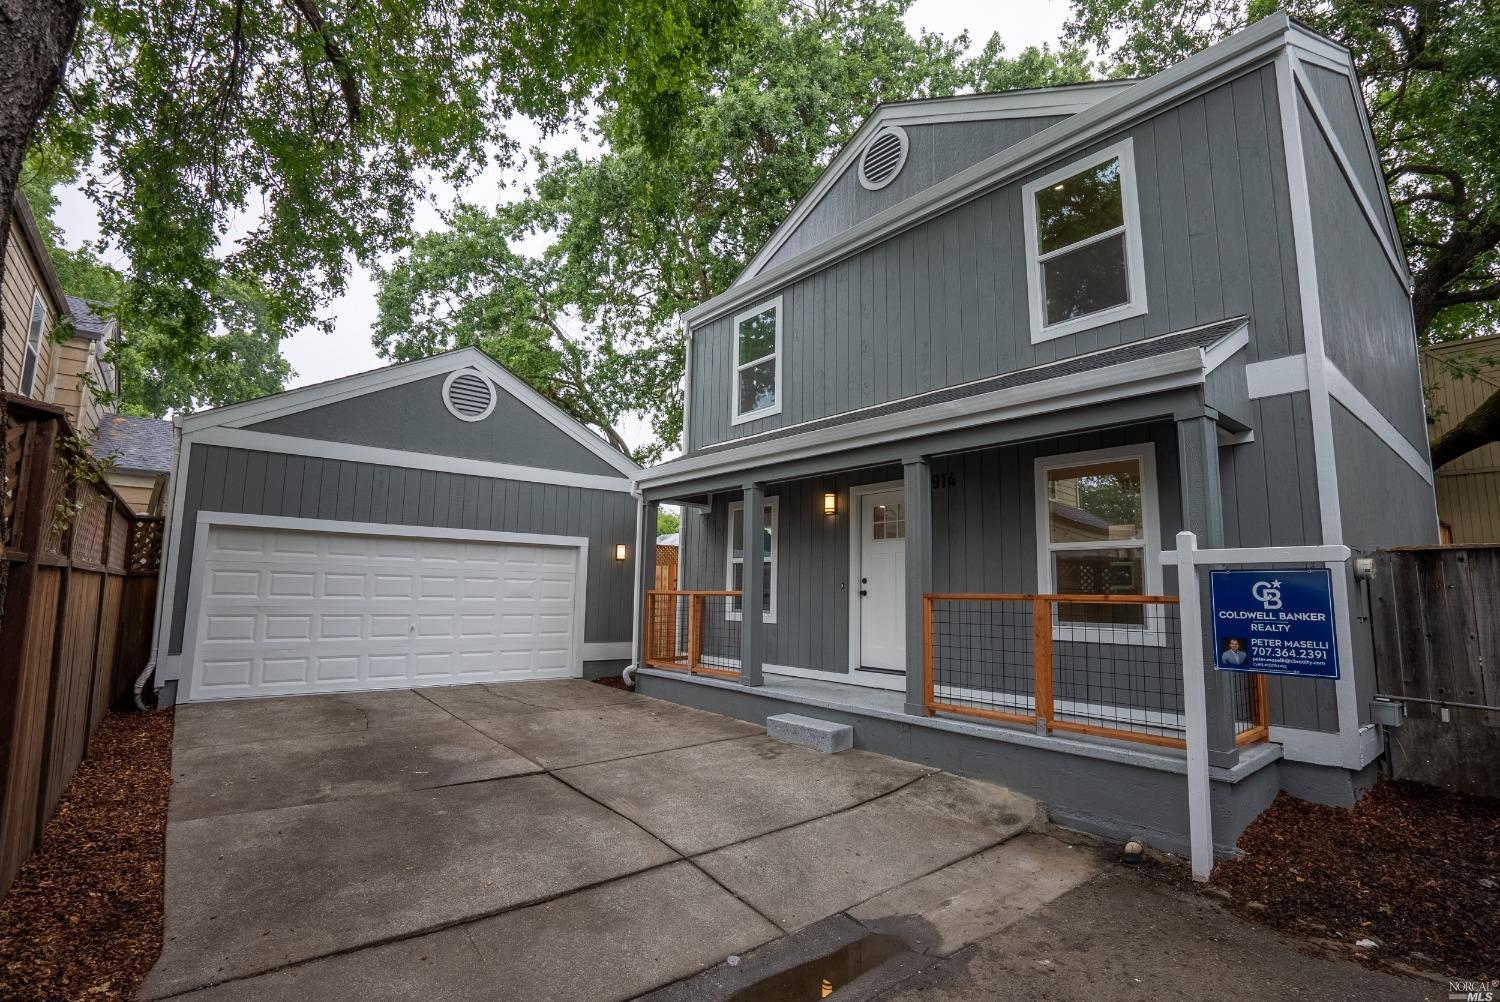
(882, 582)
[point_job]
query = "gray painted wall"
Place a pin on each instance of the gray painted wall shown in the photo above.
(934, 152)
(260, 483)
(945, 301)
(412, 417)
(1366, 313)
(1346, 113)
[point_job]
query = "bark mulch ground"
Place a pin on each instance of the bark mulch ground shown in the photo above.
(1414, 869)
(84, 918)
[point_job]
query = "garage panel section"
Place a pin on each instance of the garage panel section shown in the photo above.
(283, 611)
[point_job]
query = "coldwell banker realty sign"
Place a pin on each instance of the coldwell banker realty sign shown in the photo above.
(1279, 622)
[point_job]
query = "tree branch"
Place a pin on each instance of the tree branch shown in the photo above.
(337, 57)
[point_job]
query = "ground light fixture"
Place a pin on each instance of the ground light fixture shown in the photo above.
(619, 551)
(830, 504)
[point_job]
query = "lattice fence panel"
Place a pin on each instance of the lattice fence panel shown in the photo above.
(145, 546)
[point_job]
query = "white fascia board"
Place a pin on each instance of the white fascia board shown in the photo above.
(1138, 102)
(1276, 376)
(294, 445)
(1040, 103)
(1367, 414)
(1154, 374)
(322, 394)
(1226, 348)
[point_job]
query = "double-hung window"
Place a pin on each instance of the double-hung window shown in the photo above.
(32, 356)
(1083, 245)
(757, 362)
(735, 564)
(1099, 534)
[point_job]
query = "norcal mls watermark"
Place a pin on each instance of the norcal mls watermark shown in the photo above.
(1473, 991)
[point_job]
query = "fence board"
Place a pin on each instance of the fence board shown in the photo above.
(1437, 644)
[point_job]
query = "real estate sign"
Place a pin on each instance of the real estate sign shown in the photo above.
(1278, 621)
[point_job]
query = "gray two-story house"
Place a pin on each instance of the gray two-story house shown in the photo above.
(1004, 350)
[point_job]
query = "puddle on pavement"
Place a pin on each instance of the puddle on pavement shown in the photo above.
(820, 978)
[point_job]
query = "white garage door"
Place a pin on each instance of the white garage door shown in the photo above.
(283, 611)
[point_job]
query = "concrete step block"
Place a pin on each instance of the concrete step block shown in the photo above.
(810, 732)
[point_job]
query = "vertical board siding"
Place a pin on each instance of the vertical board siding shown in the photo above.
(1366, 312)
(1346, 114)
(341, 490)
(945, 301)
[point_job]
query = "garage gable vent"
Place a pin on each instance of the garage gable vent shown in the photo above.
(468, 395)
(883, 158)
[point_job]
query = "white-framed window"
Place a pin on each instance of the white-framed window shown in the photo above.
(1099, 533)
(33, 353)
(734, 561)
(757, 362)
(1083, 244)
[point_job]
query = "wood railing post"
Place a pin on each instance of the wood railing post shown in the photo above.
(927, 678)
(1041, 655)
(695, 633)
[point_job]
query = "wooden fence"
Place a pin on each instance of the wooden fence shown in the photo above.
(1436, 615)
(77, 619)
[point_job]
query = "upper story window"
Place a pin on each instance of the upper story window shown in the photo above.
(1098, 534)
(33, 353)
(757, 362)
(1083, 245)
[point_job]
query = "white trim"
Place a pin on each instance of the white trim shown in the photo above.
(1038, 103)
(1149, 543)
(1367, 414)
(295, 445)
(856, 673)
(1346, 167)
(844, 678)
(36, 321)
(611, 651)
(1135, 265)
(1134, 104)
(1226, 348)
(687, 383)
(209, 519)
(1326, 747)
(768, 615)
(321, 394)
(166, 584)
(903, 143)
(773, 306)
(1276, 376)
(1264, 555)
(1138, 377)
(448, 399)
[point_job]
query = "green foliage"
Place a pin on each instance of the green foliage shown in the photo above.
(636, 238)
(81, 467)
(243, 153)
(667, 522)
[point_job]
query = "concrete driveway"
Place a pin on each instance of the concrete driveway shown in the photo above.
(557, 840)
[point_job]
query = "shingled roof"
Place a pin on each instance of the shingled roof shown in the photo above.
(87, 323)
(139, 445)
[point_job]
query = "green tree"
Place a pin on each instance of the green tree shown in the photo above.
(1431, 75)
(636, 238)
(667, 522)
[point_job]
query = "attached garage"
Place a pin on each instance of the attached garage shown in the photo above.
(437, 523)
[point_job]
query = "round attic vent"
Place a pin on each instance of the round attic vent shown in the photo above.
(883, 158)
(468, 395)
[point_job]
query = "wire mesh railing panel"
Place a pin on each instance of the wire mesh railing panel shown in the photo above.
(1117, 669)
(693, 631)
(667, 635)
(719, 634)
(982, 654)
(1252, 708)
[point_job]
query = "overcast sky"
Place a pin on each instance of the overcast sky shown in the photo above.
(317, 357)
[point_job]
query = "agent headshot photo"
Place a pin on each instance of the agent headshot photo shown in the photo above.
(1236, 652)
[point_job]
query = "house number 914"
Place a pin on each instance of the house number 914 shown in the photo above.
(940, 480)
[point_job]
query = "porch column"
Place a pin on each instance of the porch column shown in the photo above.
(645, 575)
(917, 477)
(752, 616)
(1203, 513)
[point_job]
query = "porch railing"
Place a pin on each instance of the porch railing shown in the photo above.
(693, 631)
(1104, 665)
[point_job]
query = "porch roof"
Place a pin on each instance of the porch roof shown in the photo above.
(1180, 360)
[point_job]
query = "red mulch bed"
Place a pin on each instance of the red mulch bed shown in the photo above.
(84, 918)
(1411, 867)
(614, 682)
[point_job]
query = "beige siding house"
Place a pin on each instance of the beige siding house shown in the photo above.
(33, 302)
(1458, 377)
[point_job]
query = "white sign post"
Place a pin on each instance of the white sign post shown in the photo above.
(1188, 558)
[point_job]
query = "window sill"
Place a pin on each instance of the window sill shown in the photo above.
(749, 416)
(1090, 322)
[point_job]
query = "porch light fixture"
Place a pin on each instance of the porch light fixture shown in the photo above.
(619, 551)
(830, 504)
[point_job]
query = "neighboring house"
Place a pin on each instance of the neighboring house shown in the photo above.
(141, 450)
(1012, 344)
(69, 371)
(1468, 489)
(431, 523)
